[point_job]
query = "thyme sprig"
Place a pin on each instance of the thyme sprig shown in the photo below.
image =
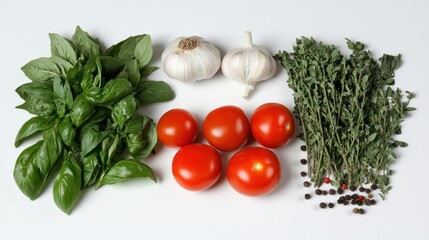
(348, 111)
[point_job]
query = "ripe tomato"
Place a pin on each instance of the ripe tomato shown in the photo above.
(197, 167)
(253, 171)
(272, 125)
(226, 128)
(177, 128)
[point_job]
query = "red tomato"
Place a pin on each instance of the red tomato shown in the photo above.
(197, 167)
(177, 128)
(226, 128)
(272, 125)
(253, 171)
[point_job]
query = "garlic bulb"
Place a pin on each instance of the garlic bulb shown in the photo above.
(189, 59)
(248, 65)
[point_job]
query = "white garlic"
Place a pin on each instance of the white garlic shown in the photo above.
(248, 65)
(190, 59)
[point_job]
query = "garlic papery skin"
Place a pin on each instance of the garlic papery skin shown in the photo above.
(190, 59)
(248, 65)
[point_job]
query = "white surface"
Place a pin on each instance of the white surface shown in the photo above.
(144, 210)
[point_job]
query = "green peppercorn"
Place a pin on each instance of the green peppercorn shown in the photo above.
(322, 205)
(307, 196)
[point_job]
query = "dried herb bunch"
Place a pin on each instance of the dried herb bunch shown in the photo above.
(347, 110)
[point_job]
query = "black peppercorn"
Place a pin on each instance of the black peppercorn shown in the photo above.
(340, 191)
(373, 202)
(318, 191)
(332, 191)
(339, 201)
(306, 184)
(354, 201)
(303, 161)
(303, 148)
(345, 203)
(373, 187)
(330, 205)
(359, 202)
(322, 205)
(307, 196)
(303, 174)
(348, 197)
(361, 211)
(355, 196)
(352, 188)
(361, 189)
(324, 192)
(367, 202)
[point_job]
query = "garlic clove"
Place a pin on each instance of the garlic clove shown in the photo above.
(249, 65)
(190, 59)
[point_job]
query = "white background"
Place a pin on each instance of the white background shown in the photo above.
(141, 209)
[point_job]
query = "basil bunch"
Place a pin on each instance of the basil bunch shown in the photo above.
(86, 101)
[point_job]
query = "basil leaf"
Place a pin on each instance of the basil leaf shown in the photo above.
(45, 69)
(140, 145)
(91, 136)
(81, 111)
(62, 48)
(91, 169)
(131, 72)
(38, 107)
(124, 110)
(36, 90)
(127, 169)
(85, 44)
(138, 47)
(147, 70)
(92, 73)
(67, 131)
(114, 90)
(136, 124)
(34, 165)
(63, 91)
(74, 77)
(154, 91)
(143, 52)
(31, 127)
(67, 184)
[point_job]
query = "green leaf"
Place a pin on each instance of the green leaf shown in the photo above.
(74, 77)
(138, 47)
(372, 137)
(91, 169)
(124, 110)
(35, 163)
(62, 48)
(114, 90)
(67, 184)
(143, 52)
(131, 72)
(147, 70)
(36, 90)
(91, 136)
(67, 131)
(141, 145)
(45, 69)
(81, 111)
(86, 46)
(154, 91)
(38, 107)
(31, 127)
(136, 124)
(110, 65)
(92, 73)
(127, 169)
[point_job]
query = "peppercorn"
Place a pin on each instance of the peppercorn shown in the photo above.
(324, 192)
(303, 148)
(361, 211)
(367, 202)
(307, 184)
(340, 201)
(354, 201)
(361, 189)
(342, 198)
(318, 191)
(373, 202)
(355, 196)
(327, 180)
(332, 191)
(322, 205)
(355, 210)
(352, 188)
(348, 197)
(370, 195)
(368, 190)
(361, 198)
(330, 205)
(303, 161)
(307, 196)
(303, 174)
(359, 202)
(345, 203)
(373, 187)
(340, 191)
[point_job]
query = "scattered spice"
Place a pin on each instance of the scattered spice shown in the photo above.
(367, 202)
(355, 210)
(361, 198)
(361, 211)
(331, 205)
(344, 186)
(368, 190)
(359, 202)
(307, 196)
(322, 205)
(352, 188)
(348, 197)
(324, 192)
(303, 161)
(318, 191)
(340, 191)
(327, 180)
(355, 196)
(332, 191)
(374, 187)
(307, 184)
(303, 148)
(361, 189)
(370, 195)
(303, 174)
(373, 202)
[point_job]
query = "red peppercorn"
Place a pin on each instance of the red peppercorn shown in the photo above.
(361, 198)
(327, 180)
(344, 186)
